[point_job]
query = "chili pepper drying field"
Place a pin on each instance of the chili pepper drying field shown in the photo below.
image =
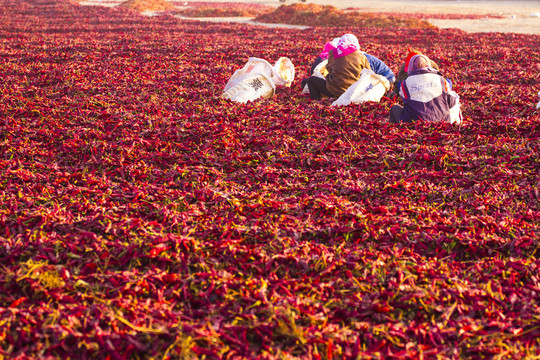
(141, 216)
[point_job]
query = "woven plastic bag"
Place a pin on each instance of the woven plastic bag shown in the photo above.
(370, 87)
(250, 88)
(283, 72)
(251, 82)
(252, 67)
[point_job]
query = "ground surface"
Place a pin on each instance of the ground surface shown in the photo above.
(143, 216)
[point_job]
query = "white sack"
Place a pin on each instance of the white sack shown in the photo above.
(370, 87)
(250, 88)
(253, 66)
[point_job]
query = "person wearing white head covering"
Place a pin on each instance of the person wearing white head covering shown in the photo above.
(345, 63)
(348, 43)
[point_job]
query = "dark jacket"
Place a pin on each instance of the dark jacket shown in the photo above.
(317, 61)
(425, 96)
(344, 71)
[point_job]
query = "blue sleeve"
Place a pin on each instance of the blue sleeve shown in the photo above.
(380, 68)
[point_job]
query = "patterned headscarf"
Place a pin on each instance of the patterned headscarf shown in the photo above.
(331, 45)
(418, 62)
(347, 44)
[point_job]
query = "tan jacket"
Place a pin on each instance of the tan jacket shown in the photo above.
(344, 71)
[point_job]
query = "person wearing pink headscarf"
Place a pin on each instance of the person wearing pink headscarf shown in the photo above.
(331, 45)
(345, 63)
(323, 55)
(425, 94)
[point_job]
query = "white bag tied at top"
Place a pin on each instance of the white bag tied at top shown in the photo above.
(538, 105)
(370, 87)
(258, 79)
